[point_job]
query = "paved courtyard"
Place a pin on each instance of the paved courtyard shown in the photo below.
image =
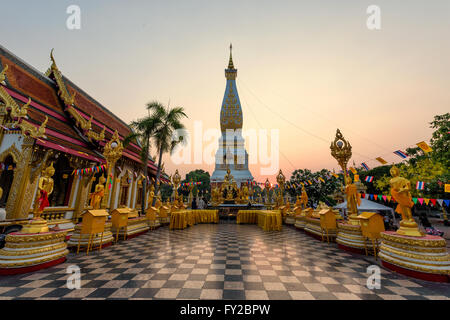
(224, 261)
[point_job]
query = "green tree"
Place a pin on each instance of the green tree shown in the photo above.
(317, 191)
(164, 136)
(143, 129)
(440, 139)
(198, 175)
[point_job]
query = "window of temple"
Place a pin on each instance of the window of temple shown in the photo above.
(139, 195)
(6, 179)
(63, 180)
(124, 186)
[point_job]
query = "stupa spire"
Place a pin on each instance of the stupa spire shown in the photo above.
(230, 62)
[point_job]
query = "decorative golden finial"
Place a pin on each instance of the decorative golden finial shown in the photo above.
(230, 63)
(53, 59)
(3, 73)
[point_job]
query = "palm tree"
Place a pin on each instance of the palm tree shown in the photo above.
(168, 122)
(159, 126)
(142, 132)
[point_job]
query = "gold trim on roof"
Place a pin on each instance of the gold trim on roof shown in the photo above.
(69, 100)
(19, 114)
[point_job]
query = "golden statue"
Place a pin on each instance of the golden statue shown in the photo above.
(267, 188)
(298, 203)
(99, 192)
(228, 176)
(304, 198)
(400, 191)
(281, 179)
(215, 195)
(245, 193)
(45, 188)
(353, 200)
(151, 195)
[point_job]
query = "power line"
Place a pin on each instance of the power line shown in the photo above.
(262, 127)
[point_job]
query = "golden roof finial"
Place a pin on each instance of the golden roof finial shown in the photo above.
(230, 63)
(53, 59)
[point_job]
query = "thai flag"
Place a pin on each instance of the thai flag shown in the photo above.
(369, 179)
(420, 185)
(401, 154)
(365, 166)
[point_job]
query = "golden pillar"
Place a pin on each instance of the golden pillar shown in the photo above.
(112, 152)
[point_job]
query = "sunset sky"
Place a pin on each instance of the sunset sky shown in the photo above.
(304, 67)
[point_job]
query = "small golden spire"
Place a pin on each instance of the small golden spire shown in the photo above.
(230, 63)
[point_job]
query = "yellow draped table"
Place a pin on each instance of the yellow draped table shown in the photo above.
(183, 218)
(247, 216)
(206, 216)
(268, 220)
(179, 220)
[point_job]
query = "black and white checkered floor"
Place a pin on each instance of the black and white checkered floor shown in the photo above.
(224, 261)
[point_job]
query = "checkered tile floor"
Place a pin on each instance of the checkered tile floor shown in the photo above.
(224, 261)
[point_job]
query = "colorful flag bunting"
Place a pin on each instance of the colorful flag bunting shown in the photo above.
(369, 179)
(365, 166)
(401, 154)
(414, 200)
(424, 146)
(420, 200)
(353, 170)
(420, 185)
(447, 202)
(381, 160)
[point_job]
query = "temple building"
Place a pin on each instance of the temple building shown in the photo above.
(46, 120)
(231, 152)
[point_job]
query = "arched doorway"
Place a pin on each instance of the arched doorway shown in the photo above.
(6, 179)
(63, 180)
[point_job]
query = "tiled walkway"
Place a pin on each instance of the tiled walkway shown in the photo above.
(225, 261)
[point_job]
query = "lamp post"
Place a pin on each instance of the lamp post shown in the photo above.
(341, 150)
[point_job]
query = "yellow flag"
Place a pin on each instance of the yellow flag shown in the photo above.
(426, 200)
(389, 197)
(356, 178)
(447, 187)
(353, 170)
(381, 160)
(424, 146)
